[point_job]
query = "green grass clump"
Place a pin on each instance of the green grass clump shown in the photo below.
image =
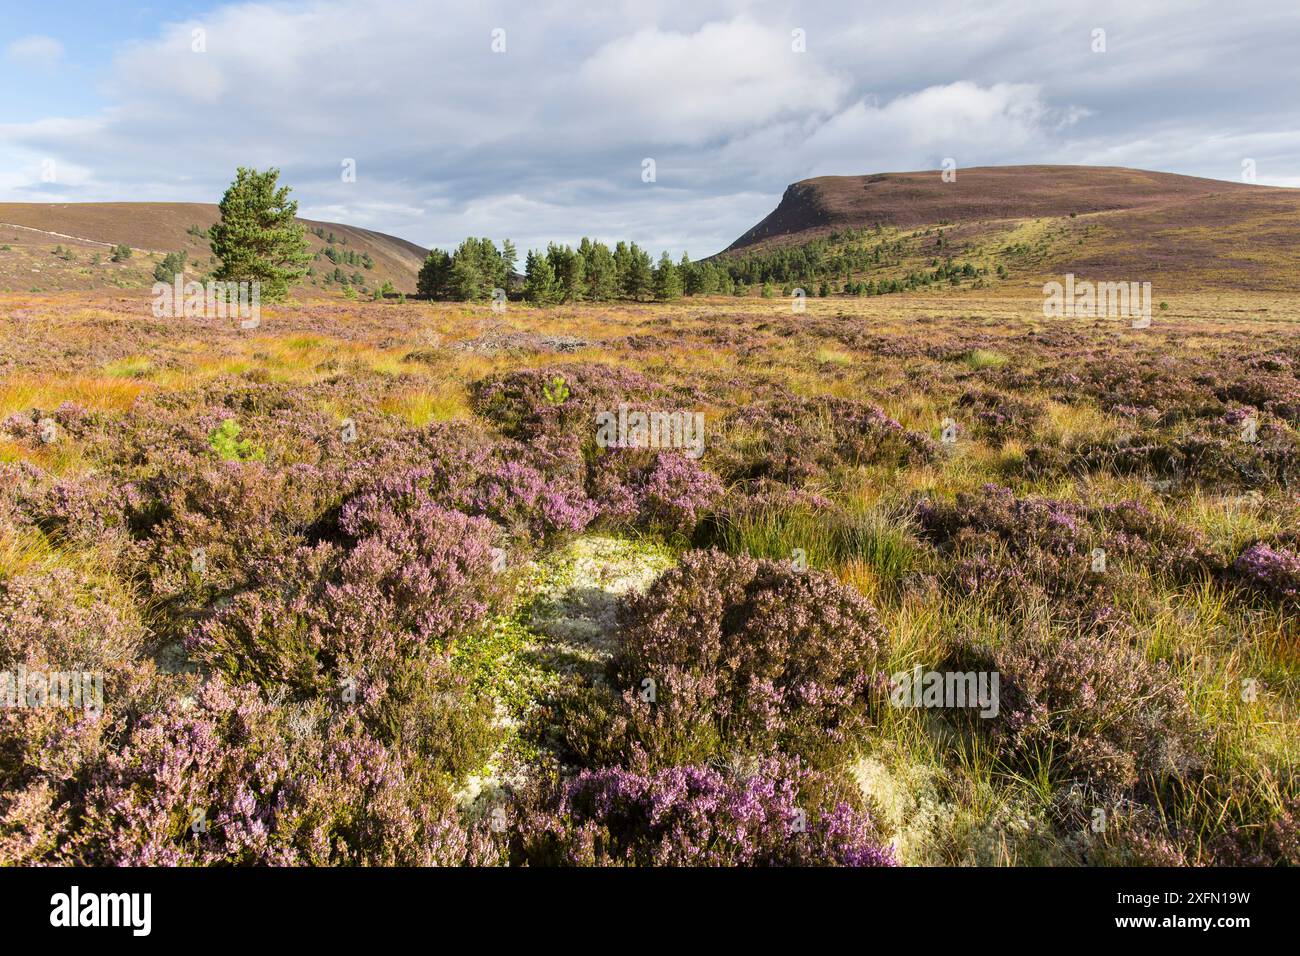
(984, 358)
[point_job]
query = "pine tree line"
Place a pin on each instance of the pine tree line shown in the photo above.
(595, 273)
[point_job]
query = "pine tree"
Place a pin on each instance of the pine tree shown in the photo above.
(466, 282)
(171, 265)
(435, 275)
(667, 280)
(639, 276)
(567, 266)
(539, 280)
(599, 275)
(690, 274)
(258, 238)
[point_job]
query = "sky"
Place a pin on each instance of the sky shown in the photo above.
(543, 121)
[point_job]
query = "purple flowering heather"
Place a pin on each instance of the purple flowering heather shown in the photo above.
(1092, 710)
(535, 492)
(662, 491)
(694, 816)
(230, 778)
(1274, 573)
(746, 654)
(60, 620)
(528, 503)
(406, 588)
(802, 438)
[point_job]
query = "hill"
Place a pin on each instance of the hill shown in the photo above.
(85, 234)
(1041, 221)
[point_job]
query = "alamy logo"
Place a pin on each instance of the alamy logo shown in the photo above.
(216, 300)
(24, 688)
(1100, 300)
(950, 689)
(103, 909)
(636, 429)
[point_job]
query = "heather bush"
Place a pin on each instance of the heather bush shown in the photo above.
(48, 754)
(79, 512)
(744, 655)
(1270, 389)
(535, 491)
(1275, 842)
(1085, 710)
(201, 531)
(406, 587)
(533, 503)
(692, 816)
(69, 418)
(275, 631)
(999, 417)
(1213, 456)
(1272, 573)
(1018, 552)
(528, 403)
(1130, 529)
(231, 778)
(662, 491)
(1021, 552)
(1172, 389)
(794, 439)
(57, 619)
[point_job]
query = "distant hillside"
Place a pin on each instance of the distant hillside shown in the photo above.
(31, 231)
(1052, 219)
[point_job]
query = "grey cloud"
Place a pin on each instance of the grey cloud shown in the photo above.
(545, 141)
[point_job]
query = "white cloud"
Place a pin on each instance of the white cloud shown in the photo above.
(961, 120)
(35, 52)
(724, 78)
(545, 141)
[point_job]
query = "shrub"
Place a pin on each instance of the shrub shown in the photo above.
(1273, 573)
(407, 586)
(47, 758)
(237, 515)
(59, 620)
(234, 779)
(534, 503)
(794, 439)
(170, 266)
(528, 403)
(1019, 551)
(534, 490)
(229, 446)
(662, 491)
(692, 816)
(745, 655)
(1275, 843)
(1087, 711)
(1000, 417)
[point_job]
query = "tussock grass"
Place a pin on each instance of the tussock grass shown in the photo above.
(96, 393)
(420, 407)
(137, 366)
(983, 358)
(859, 542)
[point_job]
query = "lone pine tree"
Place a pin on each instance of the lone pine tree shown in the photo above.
(259, 238)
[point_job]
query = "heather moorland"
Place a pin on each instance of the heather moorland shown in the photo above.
(368, 584)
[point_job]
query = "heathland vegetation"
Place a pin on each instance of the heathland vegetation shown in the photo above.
(445, 582)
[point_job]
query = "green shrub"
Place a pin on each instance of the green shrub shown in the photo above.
(225, 441)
